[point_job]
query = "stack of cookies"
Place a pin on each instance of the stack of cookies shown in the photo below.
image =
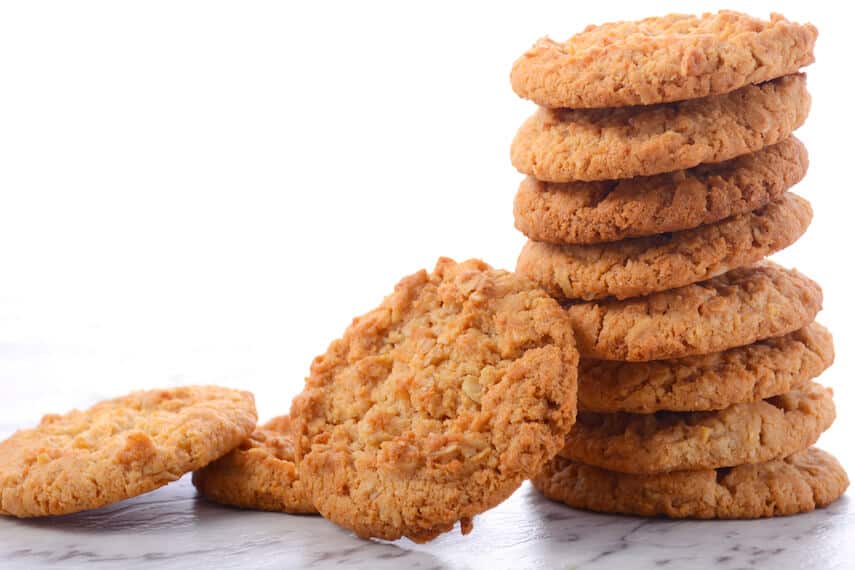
(659, 171)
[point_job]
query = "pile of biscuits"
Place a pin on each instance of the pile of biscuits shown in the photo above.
(659, 170)
(659, 166)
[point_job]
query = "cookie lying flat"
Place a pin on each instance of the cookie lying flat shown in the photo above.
(119, 448)
(738, 308)
(260, 474)
(657, 60)
(708, 381)
(438, 404)
(676, 441)
(640, 266)
(595, 212)
(564, 145)
(800, 483)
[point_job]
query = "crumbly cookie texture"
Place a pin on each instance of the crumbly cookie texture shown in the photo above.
(260, 474)
(640, 266)
(438, 404)
(738, 308)
(676, 441)
(610, 210)
(565, 145)
(664, 59)
(119, 448)
(708, 381)
(800, 483)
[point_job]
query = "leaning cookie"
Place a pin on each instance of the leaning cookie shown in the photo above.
(735, 309)
(611, 210)
(677, 441)
(707, 381)
(663, 59)
(800, 483)
(565, 145)
(260, 474)
(438, 404)
(119, 448)
(641, 266)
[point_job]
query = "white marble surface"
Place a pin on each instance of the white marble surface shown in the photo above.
(172, 528)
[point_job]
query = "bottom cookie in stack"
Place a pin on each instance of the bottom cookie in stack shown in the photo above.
(799, 483)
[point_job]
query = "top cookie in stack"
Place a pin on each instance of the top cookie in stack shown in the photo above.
(658, 170)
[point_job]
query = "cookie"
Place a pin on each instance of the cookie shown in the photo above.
(800, 483)
(640, 266)
(658, 60)
(677, 441)
(738, 308)
(438, 404)
(596, 212)
(564, 145)
(260, 474)
(119, 448)
(708, 381)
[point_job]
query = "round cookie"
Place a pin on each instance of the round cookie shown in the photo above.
(664, 59)
(260, 474)
(708, 381)
(610, 210)
(438, 404)
(800, 483)
(564, 145)
(738, 308)
(677, 441)
(640, 266)
(119, 448)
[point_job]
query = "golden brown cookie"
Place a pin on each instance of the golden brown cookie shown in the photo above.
(610, 210)
(640, 266)
(800, 483)
(707, 381)
(664, 59)
(677, 441)
(438, 404)
(738, 308)
(564, 145)
(119, 448)
(260, 474)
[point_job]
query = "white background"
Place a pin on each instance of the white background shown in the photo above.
(208, 192)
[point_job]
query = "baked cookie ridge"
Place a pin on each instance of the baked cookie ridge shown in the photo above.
(259, 474)
(641, 266)
(735, 309)
(705, 382)
(436, 405)
(657, 60)
(686, 441)
(800, 483)
(119, 448)
(611, 210)
(567, 145)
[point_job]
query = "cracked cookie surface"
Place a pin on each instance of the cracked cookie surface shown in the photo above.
(610, 210)
(802, 482)
(640, 266)
(259, 474)
(438, 404)
(119, 448)
(677, 441)
(662, 59)
(565, 145)
(738, 308)
(707, 381)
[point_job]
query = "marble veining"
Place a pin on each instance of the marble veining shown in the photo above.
(172, 528)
